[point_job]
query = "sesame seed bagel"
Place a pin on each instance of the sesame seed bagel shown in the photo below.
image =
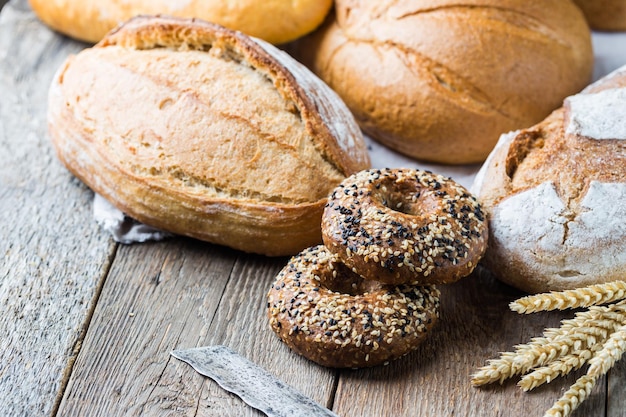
(405, 226)
(332, 316)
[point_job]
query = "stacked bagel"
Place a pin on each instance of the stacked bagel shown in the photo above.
(368, 295)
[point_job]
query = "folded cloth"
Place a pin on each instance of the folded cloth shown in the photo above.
(121, 227)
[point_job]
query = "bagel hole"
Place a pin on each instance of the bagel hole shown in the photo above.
(349, 282)
(406, 196)
(403, 197)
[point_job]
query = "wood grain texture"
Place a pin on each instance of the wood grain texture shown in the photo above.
(54, 257)
(616, 390)
(475, 325)
(241, 323)
(157, 297)
(175, 295)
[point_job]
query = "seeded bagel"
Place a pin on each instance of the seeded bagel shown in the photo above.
(334, 317)
(405, 226)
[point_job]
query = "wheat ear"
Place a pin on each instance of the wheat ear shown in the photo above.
(557, 368)
(580, 297)
(573, 397)
(611, 352)
(565, 340)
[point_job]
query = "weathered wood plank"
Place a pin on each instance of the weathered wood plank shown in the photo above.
(475, 325)
(156, 297)
(53, 255)
(241, 323)
(616, 390)
(181, 294)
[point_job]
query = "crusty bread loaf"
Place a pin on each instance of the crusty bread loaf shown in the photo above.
(276, 21)
(440, 80)
(609, 15)
(555, 194)
(195, 129)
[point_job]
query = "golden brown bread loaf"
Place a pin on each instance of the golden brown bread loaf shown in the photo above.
(555, 194)
(609, 15)
(276, 21)
(440, 80)
(202, 131)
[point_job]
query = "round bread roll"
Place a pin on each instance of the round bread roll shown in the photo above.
(276, 21)
(609, 15)
(555, 195)
(440, 80)
(202, 131)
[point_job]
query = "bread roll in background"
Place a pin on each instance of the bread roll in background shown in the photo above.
(201, 131)
(440, 80)
(605, 15)
(276, 21)
(555, 194)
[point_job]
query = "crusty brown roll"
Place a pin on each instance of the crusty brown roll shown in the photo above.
(440, 80)
(276, 21)
(195, 129)
(555, 195)
(608, 15)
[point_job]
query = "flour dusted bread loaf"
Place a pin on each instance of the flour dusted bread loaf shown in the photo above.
(276, 21)
(440, 80)
(555, 194)
(609, 15)
(195, 129)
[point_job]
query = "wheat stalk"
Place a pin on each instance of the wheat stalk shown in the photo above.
(611, 352)
(573, 336)
(596, 336)
(558, 367)
(572, 397)
(580, 297)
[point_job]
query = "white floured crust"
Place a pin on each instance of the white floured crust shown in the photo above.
(555, 195)
(556, 249)
(502, 146)
(598, 115)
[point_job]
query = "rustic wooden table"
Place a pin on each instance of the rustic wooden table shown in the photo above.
(87, 325)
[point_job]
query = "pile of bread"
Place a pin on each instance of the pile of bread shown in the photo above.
(214, 133)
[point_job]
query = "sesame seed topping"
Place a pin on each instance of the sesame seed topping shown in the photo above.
(411, 226)
(336, 323)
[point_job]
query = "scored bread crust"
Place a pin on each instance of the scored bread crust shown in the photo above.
(276, 21)
(440, 80)
(108, 106)
(555, 197)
